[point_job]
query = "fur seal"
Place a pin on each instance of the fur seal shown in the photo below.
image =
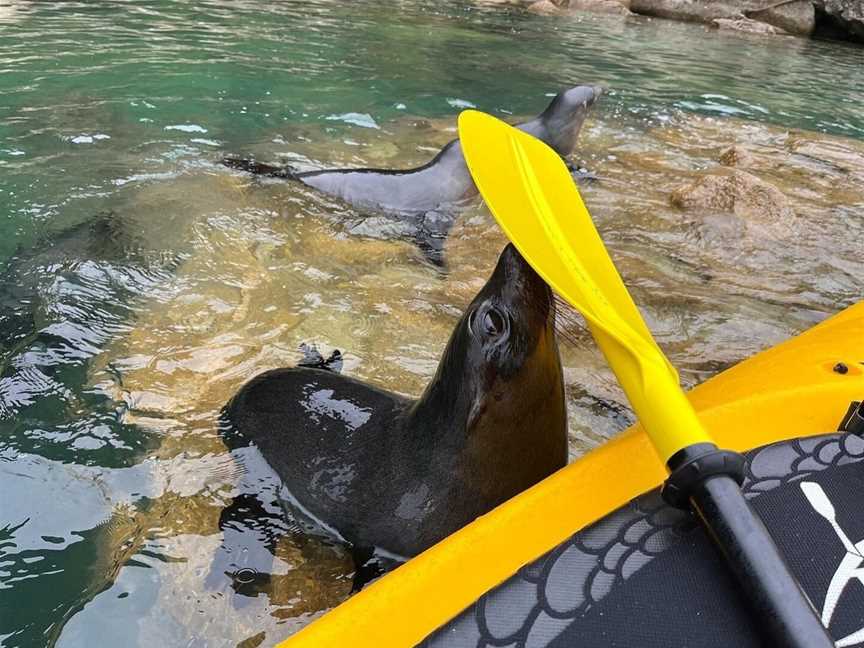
(427, 198)
(400, 474)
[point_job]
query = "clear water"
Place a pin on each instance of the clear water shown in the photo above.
(142, 284)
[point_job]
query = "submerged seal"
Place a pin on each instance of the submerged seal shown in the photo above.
(428, 198)
(401, 474)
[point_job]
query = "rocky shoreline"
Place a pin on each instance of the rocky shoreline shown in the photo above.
(838, 19)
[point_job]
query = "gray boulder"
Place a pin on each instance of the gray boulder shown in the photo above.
(846, 15)
(546, 7)
(736, 156)
(621, 7)
(686, 10)
(761, 206)
(746, 25)
(788, 16)
(797, 17)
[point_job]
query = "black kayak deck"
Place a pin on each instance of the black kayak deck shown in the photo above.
(647, 575)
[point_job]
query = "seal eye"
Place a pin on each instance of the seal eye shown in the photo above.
(488, 322)
(493, 322)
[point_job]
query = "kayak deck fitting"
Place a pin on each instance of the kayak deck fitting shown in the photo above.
(799, 388)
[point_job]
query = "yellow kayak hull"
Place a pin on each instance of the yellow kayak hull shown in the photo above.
(790, 390)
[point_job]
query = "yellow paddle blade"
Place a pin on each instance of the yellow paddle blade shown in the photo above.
(531, 194)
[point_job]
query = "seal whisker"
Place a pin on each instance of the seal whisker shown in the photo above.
(569, 323)
(566, 319)
(567, 313)
(568, 337)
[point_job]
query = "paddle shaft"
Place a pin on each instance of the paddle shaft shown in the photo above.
(783, 613)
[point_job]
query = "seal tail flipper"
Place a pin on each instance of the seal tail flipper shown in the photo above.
(432, 233)
(432, 248)
(257, 168)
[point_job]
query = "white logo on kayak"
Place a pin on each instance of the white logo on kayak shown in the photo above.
(850, 567)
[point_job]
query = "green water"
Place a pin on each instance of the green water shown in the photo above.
(239, 70)
(142, 284)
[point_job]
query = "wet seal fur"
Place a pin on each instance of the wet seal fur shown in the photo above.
(427, 199)
(400, 474)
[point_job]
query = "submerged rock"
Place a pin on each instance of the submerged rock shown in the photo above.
(758, 203)
(843, 155)
(269, 268)
(736, 156)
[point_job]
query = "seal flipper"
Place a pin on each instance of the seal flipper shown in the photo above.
(581, 174)
(433, 229)
(257, 168)
(245, 556)
(312, 358)
(369, 566)
(432, 249)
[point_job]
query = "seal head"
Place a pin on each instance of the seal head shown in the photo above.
(560, 123)
(384, 471)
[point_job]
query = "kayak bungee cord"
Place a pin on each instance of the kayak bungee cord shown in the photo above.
(529, 190)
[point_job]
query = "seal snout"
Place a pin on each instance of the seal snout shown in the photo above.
(519, 284)
(514, 265)
(582, 96)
